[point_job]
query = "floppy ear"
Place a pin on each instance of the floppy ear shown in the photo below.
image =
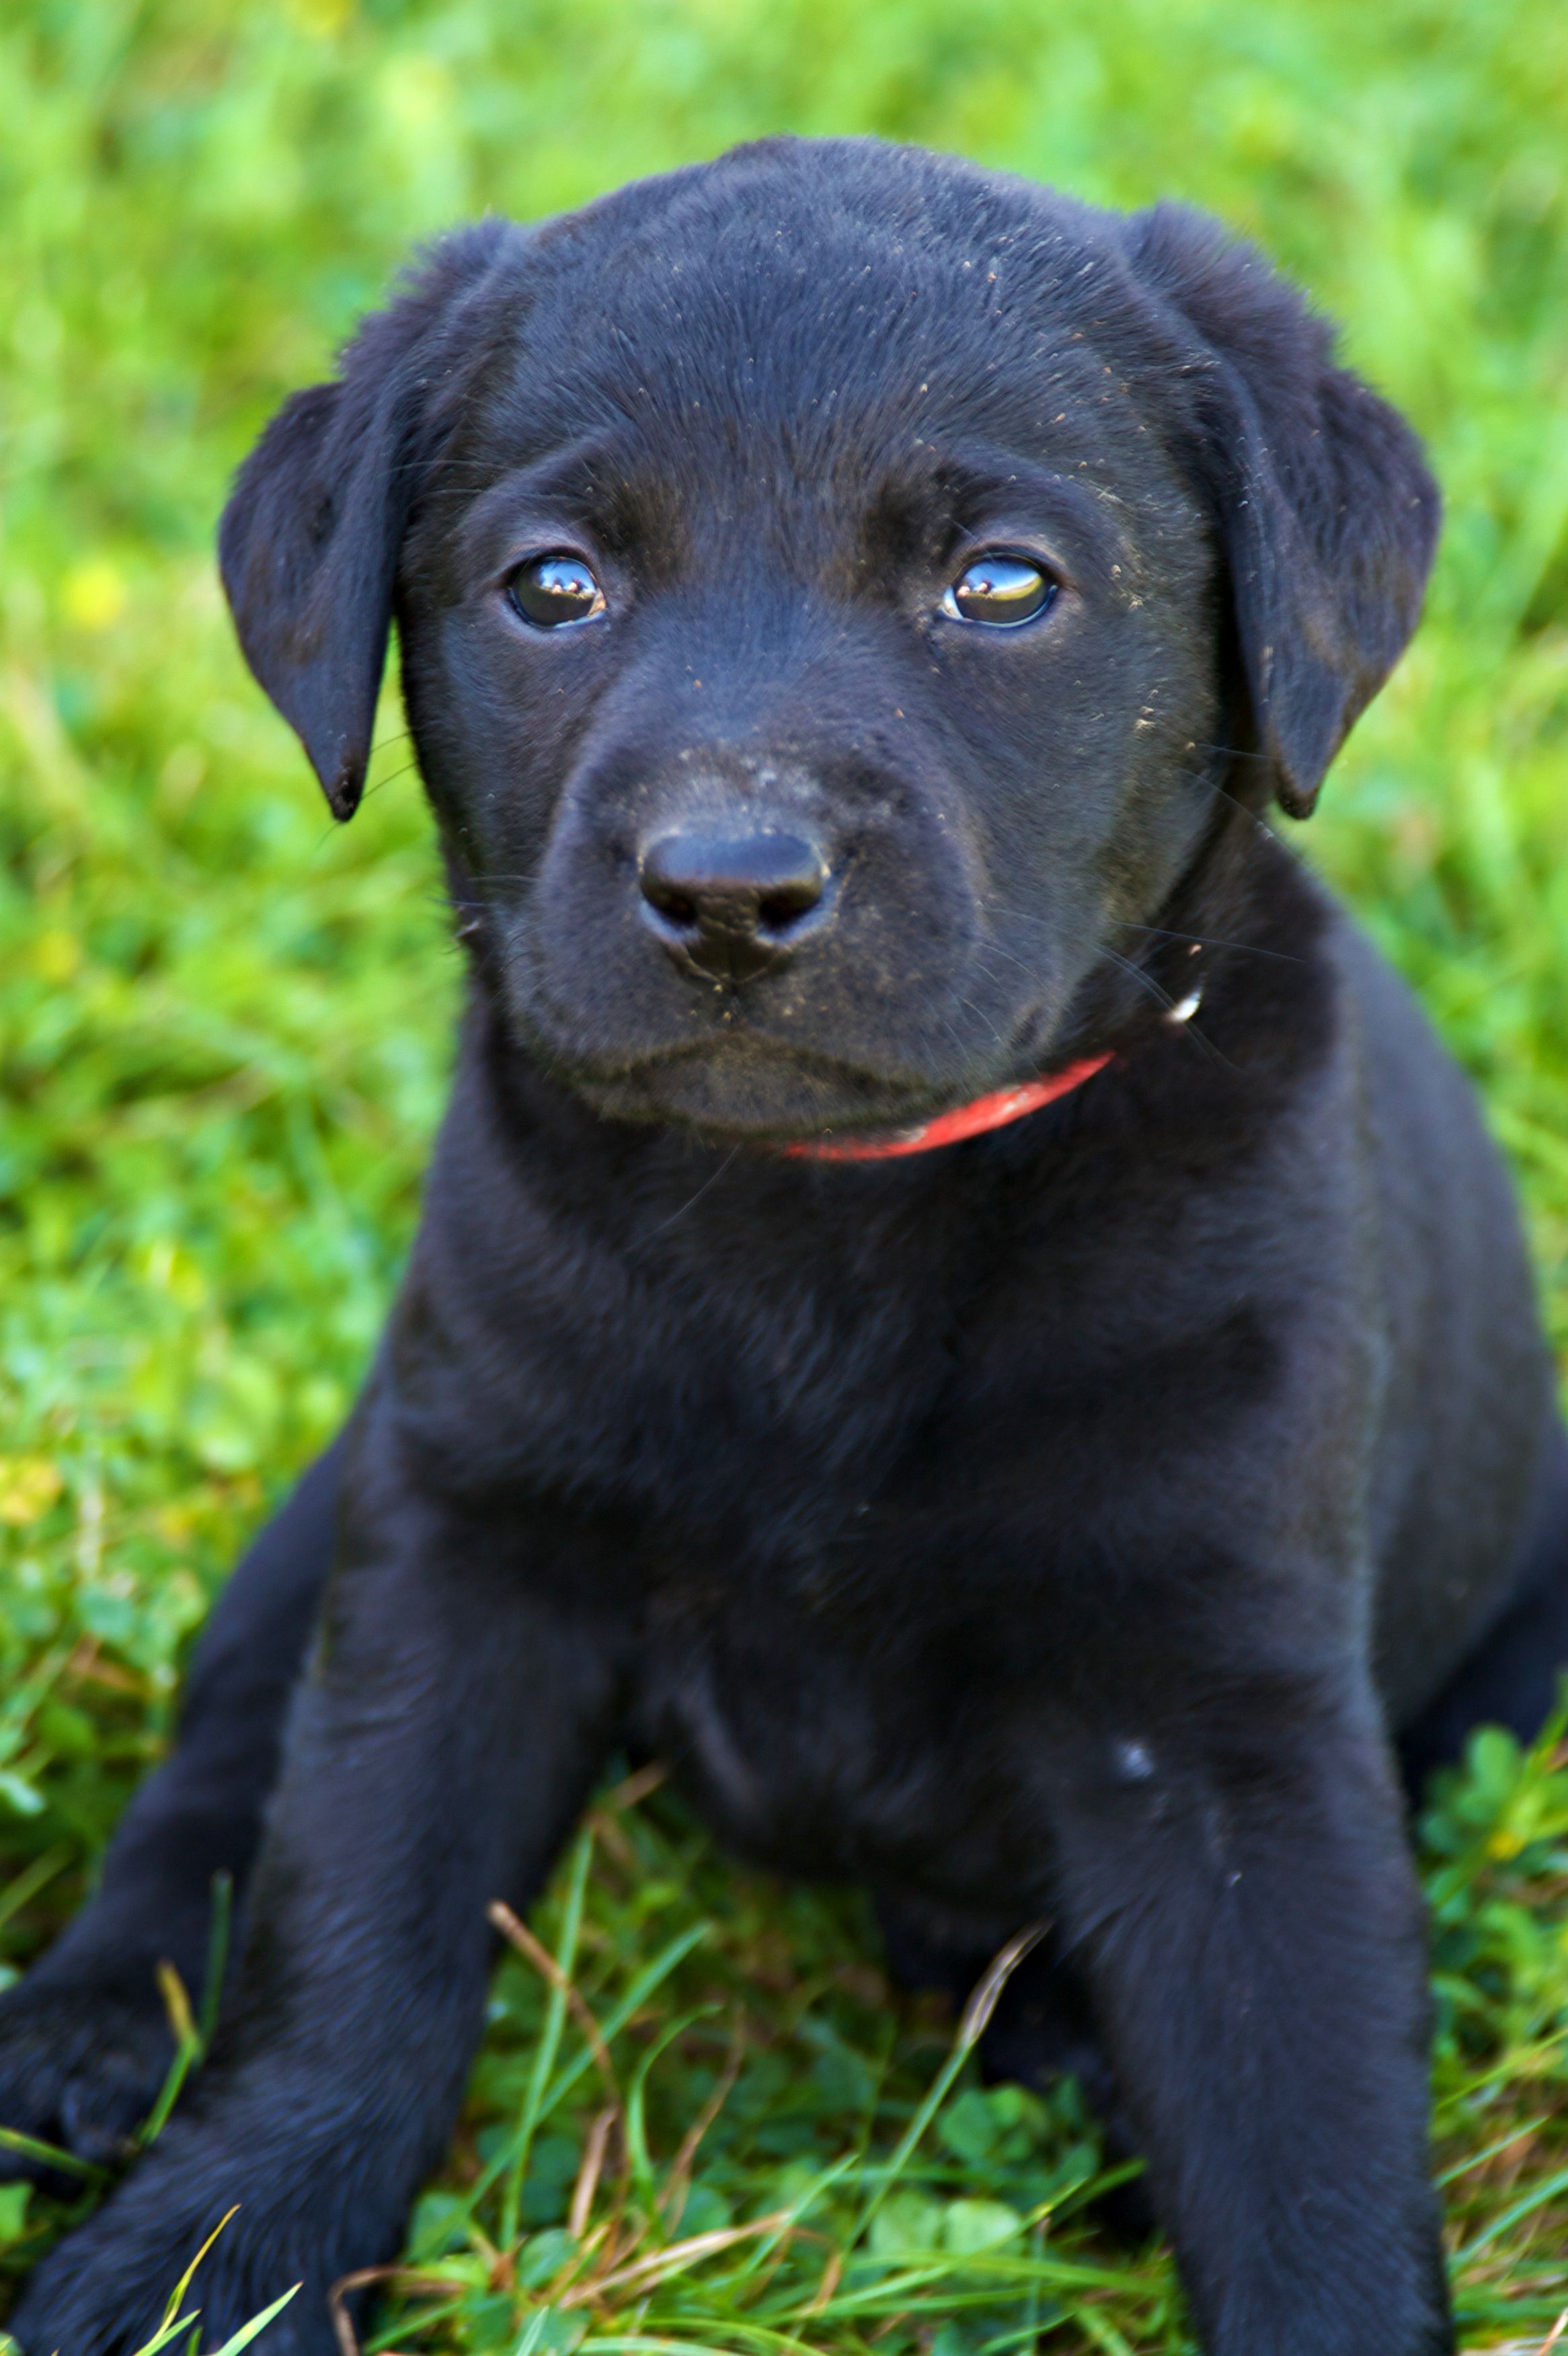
(1327, 513)
(308, 544)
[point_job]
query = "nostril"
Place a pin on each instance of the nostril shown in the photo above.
(671, 900)
(782, 905)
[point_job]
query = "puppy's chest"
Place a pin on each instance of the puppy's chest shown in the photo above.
(819, 1734)
(763, 1431)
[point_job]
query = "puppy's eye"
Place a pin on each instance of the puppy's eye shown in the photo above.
(550, 590)
(999, 589)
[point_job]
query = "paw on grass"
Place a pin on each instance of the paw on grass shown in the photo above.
(179, 2315)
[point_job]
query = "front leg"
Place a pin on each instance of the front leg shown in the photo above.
(1234, 1875)
(458, 1706)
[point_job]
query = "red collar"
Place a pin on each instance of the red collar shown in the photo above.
(994, 1111)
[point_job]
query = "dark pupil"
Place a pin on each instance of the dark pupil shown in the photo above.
(1002, 589)
(554, 589)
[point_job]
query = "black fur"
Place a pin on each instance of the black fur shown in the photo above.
(1054, 1525)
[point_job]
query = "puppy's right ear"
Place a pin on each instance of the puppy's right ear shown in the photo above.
(308, 544)
(1324, 508)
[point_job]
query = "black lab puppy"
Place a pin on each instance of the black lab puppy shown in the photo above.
(959, 1303)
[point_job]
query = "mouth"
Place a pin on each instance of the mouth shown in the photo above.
(745, 1091)
(736, 1082)
(804, 1104)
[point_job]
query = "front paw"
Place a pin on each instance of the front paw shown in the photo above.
(82, 2063)
(104, 2290)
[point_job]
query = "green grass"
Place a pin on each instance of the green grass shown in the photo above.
(224, 1030)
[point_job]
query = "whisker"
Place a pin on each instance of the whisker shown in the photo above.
(994, 949)
(1210, 784)
(1210, 941)
(1157, 932)
(379, 784)
(1189, 1029)
(989, 1022)
(711, 1180)
(1145, 981)
(1229, 752)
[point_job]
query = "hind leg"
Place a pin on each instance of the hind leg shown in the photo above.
(84, 2040)
(1511, 1678)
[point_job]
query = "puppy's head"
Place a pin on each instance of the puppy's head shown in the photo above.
(831, 585)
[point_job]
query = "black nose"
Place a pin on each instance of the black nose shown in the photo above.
(731, 906)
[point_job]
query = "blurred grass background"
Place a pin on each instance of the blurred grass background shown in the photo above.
(224, 1024)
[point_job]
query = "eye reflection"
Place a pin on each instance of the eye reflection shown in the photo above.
(550, 591)
(1000, 590)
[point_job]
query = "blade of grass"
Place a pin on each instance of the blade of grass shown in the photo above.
(258, 2324)
(1101, 2329)
(646, 1985)
(643, 1986)
(1479, 2159)
(672, 2200)
(677, 2259)
(636, 2099)
(650, 2344)
(1531, 2061)
(49, 2155)
(970, 2029)
(589, 2169)
(518, 1935)
(905, 2275)
(33, 1878)
(187, 2050)
(548, 2040)
(172, 2322)
(1536, 2197)
(217, 1957)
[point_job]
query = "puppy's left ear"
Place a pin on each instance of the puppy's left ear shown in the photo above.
(308, 544)
(1328, 512)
